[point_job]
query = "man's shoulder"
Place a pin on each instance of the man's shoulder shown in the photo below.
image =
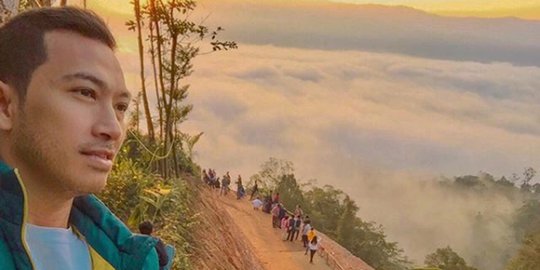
(6, 259)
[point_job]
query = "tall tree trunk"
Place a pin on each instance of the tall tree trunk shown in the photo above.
(156, 87)
(153, 16)
(45, 3)
(147, 113)
(159, 56)
(63, 3)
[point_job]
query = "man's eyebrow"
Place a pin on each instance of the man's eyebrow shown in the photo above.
(125, 94)
(95, 80)
(85, 76)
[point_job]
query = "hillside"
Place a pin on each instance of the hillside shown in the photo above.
(217, 243)
(234, 236)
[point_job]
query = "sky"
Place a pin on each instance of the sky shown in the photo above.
(529, 9)
(376, 100)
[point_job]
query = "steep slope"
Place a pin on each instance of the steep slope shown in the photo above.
(218, 245)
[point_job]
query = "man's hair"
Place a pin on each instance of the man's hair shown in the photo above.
(146, 227)
(22, 44)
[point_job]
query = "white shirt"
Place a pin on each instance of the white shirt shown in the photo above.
(257, 203)
(315, 246)
(57, 248)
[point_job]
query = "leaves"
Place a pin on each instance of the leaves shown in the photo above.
(446, 259)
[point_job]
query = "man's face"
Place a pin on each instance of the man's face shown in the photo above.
(71, 124)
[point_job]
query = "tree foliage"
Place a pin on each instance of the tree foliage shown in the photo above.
(335, 214)
(271, 173)
(446, 259)
(168, 36)
(528, 257)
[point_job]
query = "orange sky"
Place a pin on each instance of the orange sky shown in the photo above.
(527, 9)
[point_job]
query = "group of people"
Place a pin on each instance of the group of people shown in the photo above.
(223, 185)
(292, 224)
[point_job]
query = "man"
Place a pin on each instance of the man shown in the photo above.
(63, 102)
(147, 228)
(255, 190)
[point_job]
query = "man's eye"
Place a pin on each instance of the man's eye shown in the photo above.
(122, 107)
(87, 92)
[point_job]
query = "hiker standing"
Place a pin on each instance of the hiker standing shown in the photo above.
(275, 214)
(291, 227)
(298, 211)
(282, 211)
(255, 189)
(239, 188)
(297, 224)
(275, 198)
(284, 223)
(305, 229)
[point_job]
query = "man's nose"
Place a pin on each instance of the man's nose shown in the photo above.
(107, 125)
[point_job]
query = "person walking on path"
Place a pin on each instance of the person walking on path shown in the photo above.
(310, 235)
(305, 229)
(313, 246)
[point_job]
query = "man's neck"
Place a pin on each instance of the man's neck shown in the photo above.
(48, 211)
(48, 206)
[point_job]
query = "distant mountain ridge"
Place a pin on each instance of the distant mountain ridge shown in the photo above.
(379, 28)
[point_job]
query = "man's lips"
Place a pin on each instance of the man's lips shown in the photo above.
(100, 153)
(100, 159)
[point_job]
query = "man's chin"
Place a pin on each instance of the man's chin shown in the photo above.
(91, 187)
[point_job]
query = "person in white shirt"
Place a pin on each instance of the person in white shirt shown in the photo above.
(257, 203)
(313, 246)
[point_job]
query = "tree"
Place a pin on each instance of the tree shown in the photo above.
(271, 173)
(346, 223)
(528, 175)
(527, 219)
(528, 257)
(172, 40)
(325, 208)
(138, 27)
(446, 259)
(289, 192)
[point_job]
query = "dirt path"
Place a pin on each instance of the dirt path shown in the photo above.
(274, 253)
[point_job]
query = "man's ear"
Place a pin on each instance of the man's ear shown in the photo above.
(8, 103)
